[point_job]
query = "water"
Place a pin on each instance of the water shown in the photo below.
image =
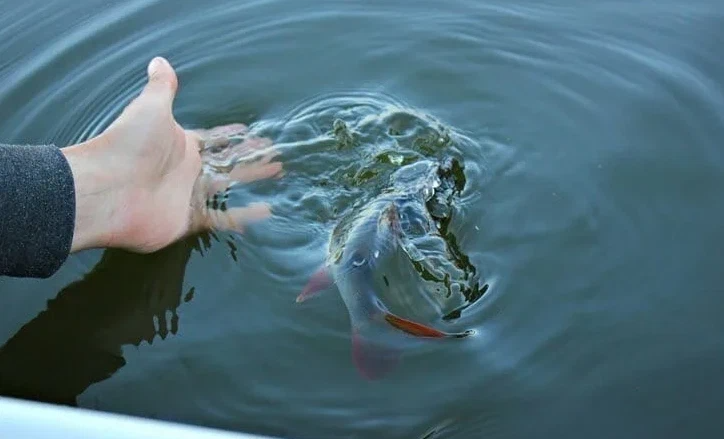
(592, 144)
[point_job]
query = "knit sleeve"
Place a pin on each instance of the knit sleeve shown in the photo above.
(37, 210)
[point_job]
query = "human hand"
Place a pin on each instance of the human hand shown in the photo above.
(146, 182)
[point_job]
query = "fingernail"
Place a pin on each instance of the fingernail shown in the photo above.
(155, 65)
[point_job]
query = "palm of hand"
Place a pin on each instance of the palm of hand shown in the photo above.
(168, 195)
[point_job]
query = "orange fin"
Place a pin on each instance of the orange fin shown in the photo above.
(413, 328)
(319, 281)
(420, 330)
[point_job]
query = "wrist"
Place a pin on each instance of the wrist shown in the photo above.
(97, 195)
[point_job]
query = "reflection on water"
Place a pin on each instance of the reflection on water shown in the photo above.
(126, 298)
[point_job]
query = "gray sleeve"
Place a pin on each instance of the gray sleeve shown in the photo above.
(37, 210)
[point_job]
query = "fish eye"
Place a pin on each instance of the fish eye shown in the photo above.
(358, 260)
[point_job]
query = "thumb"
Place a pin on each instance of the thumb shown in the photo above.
(162, 80)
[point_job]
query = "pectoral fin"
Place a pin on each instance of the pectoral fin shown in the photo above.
(319, 281)
(418, 329)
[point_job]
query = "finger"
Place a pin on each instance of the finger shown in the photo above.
(213, 143)
(194, 138)
(162, 81)
(217, 187)
(255, 143)
(255, 159)
(230, 130)
(245, 173)
(252, 145)
(209, 191)
(236, 218)
(267, 157)
(219, 137)
(259, 150)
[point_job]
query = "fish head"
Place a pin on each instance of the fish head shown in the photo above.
(369, 240)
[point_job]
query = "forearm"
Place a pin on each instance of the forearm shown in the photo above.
(37, 210)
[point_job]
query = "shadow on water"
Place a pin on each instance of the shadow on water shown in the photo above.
(77, 340)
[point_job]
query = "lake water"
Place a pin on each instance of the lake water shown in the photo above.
(591, 135)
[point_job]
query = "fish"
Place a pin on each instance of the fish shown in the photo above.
(363, 242)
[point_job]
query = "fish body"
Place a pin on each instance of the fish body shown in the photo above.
(362, 243)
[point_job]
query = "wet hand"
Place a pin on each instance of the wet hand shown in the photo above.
(146, 182)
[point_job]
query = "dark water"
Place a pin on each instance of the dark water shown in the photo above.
(592, 139)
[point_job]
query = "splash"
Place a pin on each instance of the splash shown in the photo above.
(342, 150)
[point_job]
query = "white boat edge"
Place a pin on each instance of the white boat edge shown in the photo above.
(30, 419)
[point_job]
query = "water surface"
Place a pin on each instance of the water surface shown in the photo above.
(591, 134)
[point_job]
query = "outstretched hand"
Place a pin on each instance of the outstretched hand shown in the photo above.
(146, 182)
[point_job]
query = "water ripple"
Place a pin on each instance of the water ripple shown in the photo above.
(589, 132)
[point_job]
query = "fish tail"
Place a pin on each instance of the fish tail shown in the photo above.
(373, 359)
